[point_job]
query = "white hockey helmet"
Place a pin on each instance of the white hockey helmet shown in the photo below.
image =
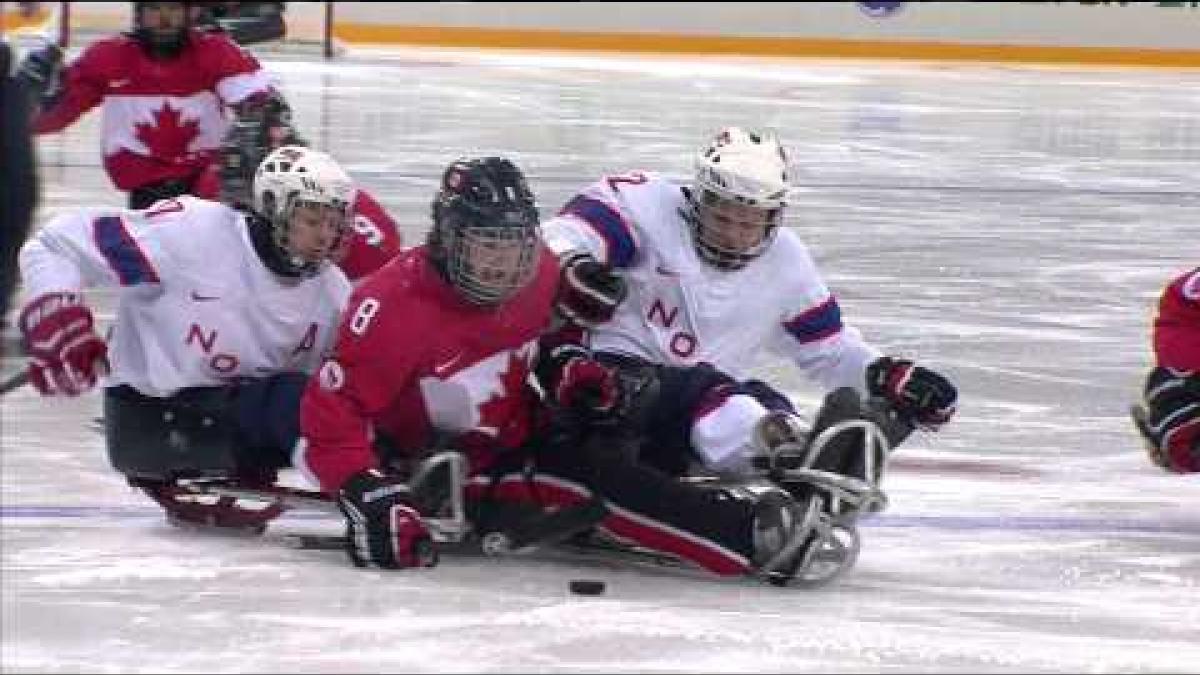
(741, 170)
(294, 175)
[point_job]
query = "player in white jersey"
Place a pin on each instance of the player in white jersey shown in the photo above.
(221, 315)
(688, 285)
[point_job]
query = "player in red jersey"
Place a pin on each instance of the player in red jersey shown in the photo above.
(437, 349)
(1169, 414)
(164, 89)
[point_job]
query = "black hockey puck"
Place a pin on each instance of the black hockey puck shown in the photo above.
(586, 586)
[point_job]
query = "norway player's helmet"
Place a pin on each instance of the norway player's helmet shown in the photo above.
(162, 27)
(305, 197)
(739, 194)
(485, 235)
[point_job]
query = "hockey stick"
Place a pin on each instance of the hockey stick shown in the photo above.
(22, 378)
(529, 535)
(521, 536)
(15, 382)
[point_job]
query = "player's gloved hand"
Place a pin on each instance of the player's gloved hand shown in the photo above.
(924, 396)
(1172, 420)
(589, 292)
(383, 529)
(587, 385)
(65, 353)
(39, 71)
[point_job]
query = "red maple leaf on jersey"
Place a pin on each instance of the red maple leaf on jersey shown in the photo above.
(498, 411)
(167, 138)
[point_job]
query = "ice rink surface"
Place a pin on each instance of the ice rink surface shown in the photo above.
(1010, 226)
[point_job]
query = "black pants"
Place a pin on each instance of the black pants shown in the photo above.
(144, 196)
(668, 401)
(246, 429)
(708, 526)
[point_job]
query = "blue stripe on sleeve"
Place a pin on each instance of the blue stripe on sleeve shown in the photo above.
(122, 252)
(817, 323)
(609, 224)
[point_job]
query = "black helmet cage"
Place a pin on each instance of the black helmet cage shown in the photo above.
(484, 205)
(156, 44)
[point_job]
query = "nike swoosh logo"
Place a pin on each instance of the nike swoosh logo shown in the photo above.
(665, 272)
(442, 369)
(117, 84)
(204, 298)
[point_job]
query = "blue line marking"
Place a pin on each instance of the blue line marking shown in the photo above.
(118, 512)
(1036, 523)
(1090, 524)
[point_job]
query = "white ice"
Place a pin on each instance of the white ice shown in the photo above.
(1011, 226)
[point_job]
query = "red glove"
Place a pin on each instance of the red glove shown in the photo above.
(65, 353)
(588, 384)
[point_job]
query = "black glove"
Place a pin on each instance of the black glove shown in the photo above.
(920, 394)
(1170, 419)
(589, 291)
(382, 528)
(39, 72)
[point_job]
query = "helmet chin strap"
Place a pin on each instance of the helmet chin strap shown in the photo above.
(276, 257)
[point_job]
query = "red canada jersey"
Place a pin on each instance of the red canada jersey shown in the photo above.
(163, 119)
(1177, 325)
(374, 237)
(417, 362)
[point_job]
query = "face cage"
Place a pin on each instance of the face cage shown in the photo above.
(483, 283)
(715, 254)
(281, 224)
(162, 45)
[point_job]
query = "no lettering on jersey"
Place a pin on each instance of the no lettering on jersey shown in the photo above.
(196, 306)
(681, 310)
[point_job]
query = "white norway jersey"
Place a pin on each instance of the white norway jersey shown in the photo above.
(682, 311)
(196, 306)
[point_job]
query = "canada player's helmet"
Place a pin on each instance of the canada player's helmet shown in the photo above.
(485, 235)
(163, 44)
(742, 170)
(294, 175)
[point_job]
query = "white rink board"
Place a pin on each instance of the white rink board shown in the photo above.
(1136, 25)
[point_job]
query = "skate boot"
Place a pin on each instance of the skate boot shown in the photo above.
(797, 543)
